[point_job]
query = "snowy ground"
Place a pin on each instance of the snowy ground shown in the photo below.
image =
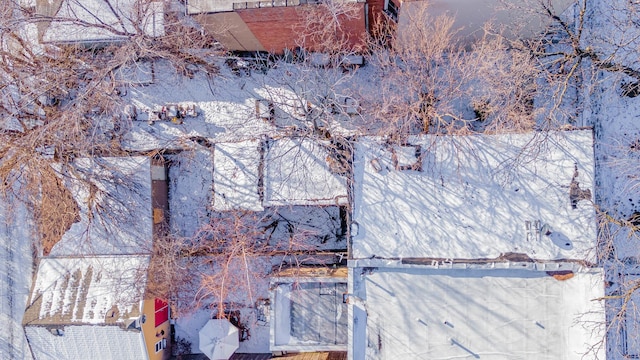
(616, 120)
(244, 293)
(613, 28)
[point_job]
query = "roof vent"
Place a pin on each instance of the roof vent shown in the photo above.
(112, 315)
(407, 157)
(57, 331)
(133, 324)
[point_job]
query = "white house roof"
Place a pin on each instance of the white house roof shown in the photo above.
(476, 197)
(298, 172)
(120, 221)
(99, 20)
(86, 341)
(87, 290)
(209, 6)
(15, 276)
(236, 175)
(431, 313)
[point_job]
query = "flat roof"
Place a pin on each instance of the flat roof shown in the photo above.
(209, 6)
(298, 172)
(309, 314)
(432, 313)
(470, 17)
(476, 197)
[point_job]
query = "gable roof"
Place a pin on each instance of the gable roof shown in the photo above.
(487, 313)
(120, 218)
(476, 197)
(87, 290)
(98, 20)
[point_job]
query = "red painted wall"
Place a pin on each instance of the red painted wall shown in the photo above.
(161, 312)
(278, 28)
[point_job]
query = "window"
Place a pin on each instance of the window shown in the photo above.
(161, 312)
(391, 9)
(160, 345)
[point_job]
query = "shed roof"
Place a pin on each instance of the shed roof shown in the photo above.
(87, 290)
(476, 197)
(119, 220)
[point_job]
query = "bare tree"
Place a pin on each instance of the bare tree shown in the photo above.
(63, 71)
(225, 264)
(432, 81)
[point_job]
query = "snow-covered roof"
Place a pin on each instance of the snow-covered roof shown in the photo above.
(437, 313)
(476, 197)
(209, 6)
(230, 108)
(87, 290)
(99, 20)
(298, 171)
(308, 314)
(86, 341)
(15, 276)
(120, 220)
(218, 121)
(236, 175)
